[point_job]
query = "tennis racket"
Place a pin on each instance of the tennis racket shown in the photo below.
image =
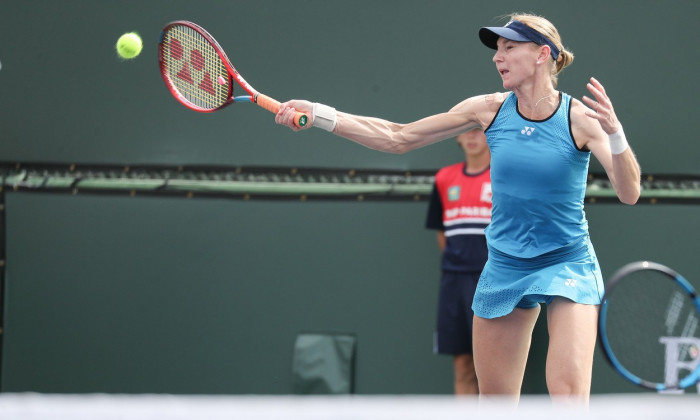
(648, 327)
(199, 74)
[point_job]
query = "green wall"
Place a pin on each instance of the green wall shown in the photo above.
(107, 294)
(66, 97)
(116, 294)
(207, 296)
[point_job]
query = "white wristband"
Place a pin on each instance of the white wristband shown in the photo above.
(325, 117)
(618, 142)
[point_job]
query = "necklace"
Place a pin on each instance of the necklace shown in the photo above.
(540, 100)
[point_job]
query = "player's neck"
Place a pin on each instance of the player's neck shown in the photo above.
(537, 102)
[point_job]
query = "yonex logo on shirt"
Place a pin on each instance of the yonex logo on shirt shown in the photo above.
(527, 130)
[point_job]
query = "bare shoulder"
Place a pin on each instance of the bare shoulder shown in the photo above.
(482, 102)
(481, 108)
(579, 120)
(495, 98)
(584, 128)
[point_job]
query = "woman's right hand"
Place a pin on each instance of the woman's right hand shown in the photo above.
(286, 114)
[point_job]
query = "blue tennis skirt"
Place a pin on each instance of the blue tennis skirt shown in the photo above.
(508, 282)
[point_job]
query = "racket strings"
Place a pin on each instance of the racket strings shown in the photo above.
(690, 352)
(652, 327)
(194, 68)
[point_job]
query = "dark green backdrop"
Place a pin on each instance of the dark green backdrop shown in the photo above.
(66, 97)
(109, 294)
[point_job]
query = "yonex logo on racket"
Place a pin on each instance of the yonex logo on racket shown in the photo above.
(200, 76)
(193, 66)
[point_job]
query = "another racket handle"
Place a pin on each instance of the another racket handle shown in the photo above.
(273, 105)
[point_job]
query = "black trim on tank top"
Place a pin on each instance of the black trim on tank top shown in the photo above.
(517, 109)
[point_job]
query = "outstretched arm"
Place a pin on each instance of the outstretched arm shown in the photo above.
(387, 136)
(606, 140)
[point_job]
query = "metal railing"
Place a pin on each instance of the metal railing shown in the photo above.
(287, 183)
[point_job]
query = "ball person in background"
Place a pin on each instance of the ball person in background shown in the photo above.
(541, 140)
(460, 210)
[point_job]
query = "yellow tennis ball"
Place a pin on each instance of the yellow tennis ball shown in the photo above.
(129, 45)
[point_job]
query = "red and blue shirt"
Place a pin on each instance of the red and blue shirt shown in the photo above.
(460, 205)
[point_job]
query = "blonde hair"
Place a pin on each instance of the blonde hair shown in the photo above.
(547, 29)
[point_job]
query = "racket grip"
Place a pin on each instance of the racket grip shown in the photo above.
(272, 105)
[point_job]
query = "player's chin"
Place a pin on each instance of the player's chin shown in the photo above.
(507, 82)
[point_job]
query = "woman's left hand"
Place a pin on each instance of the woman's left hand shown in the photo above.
(601, 108)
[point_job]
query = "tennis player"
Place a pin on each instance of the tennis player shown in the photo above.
(540, 140)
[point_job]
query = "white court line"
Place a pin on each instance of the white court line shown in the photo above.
(644, 406)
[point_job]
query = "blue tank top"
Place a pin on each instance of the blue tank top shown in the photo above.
(538, 179)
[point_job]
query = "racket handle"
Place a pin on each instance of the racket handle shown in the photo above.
(272, 105)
